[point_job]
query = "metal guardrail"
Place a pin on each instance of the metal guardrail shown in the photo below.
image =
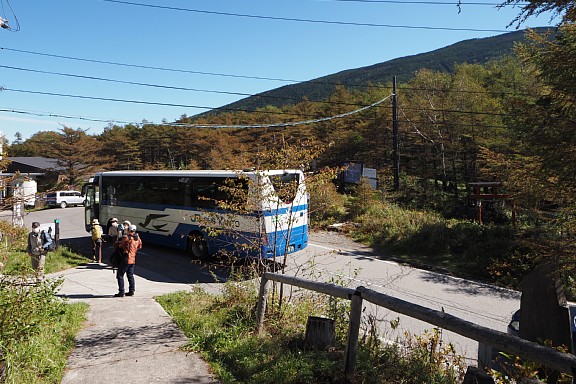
(549, 357)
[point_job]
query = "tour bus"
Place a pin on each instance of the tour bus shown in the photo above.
(262, 214)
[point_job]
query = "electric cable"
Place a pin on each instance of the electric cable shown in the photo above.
(242, 126)
(259, 95)
(277, 18)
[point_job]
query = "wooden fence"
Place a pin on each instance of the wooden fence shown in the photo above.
(549, 357)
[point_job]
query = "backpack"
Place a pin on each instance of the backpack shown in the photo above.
(47, 242)
(96, 232)
(118, 257)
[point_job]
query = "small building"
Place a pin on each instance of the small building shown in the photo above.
(354, 172)
(44, 170)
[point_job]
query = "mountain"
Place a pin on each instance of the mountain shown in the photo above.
(473, 51)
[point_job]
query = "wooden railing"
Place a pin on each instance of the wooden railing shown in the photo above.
(549, 357)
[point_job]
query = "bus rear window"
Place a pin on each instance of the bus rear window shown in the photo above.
(286, 186)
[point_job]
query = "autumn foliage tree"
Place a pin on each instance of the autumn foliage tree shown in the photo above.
(76, 152)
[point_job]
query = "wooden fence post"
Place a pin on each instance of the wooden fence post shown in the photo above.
(353, 332)
(262, 299)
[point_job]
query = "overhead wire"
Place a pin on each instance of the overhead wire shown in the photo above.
(86, 77)
(237, 109)
(375, 85)
(192, 125)
(278, 18)
(236, 126)
(293, 81)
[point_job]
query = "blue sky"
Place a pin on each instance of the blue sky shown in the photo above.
(218, 47)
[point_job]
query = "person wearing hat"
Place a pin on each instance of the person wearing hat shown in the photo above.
(123, 231)
(36, 251)
(129, 245)
(96, 232)
(113, 230)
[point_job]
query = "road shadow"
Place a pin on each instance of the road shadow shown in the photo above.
(125, 339)
(162, 264)
(81, 296)
(469, 287)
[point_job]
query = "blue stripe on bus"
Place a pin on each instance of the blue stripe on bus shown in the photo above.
(243, 244)
(179, 238)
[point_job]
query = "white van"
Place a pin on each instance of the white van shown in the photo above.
(64, 198)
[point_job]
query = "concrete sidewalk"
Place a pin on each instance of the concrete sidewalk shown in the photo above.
(128, 339)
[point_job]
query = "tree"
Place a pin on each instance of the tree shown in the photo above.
(120, 148)
(564, 8)
(546, 124)
(76, 151)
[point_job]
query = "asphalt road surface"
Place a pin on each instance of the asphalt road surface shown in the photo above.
(330, 257)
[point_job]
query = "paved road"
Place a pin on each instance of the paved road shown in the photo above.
(331, 256)
(336, 257)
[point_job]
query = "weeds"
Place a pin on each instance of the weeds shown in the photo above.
(37, 328)
(222, 327)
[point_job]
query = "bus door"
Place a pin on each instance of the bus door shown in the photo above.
(90, 205)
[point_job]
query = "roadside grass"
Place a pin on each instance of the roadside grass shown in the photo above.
(37, 328)
(18, 261)
(41, 358)
(14, 257)
(222, 329)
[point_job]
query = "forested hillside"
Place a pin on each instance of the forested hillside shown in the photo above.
(474, 51)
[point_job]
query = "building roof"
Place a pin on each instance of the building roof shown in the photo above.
(45, 163)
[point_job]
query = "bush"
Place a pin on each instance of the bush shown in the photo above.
(37, 329)
(326, 204)
(489, 252)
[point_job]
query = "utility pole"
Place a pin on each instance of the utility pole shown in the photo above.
(395, 155)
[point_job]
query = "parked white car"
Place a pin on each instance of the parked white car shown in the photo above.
(64, 198)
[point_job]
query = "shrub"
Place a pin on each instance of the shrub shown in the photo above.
(326, 204)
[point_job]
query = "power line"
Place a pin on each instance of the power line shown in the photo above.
(234, 109)
(155, 103)
(49, 114)
(401, 87)
(190, 125)
(149, 67)
(86, 77)
(216, 126)
(293, 81)
(277, 18)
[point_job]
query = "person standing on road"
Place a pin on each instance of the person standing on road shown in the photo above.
(36, 251)
(129, 245)
(96, 241)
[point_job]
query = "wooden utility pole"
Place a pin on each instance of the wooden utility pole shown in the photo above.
(395, 155)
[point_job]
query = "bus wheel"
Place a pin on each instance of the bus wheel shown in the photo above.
(197, 246)
(63, 204)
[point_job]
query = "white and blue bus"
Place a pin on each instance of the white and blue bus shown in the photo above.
(199, 211)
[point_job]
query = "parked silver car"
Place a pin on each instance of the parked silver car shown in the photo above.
(64, 198)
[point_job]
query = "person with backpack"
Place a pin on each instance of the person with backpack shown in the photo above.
(127, 247)
(97, 240)
(36, 251)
